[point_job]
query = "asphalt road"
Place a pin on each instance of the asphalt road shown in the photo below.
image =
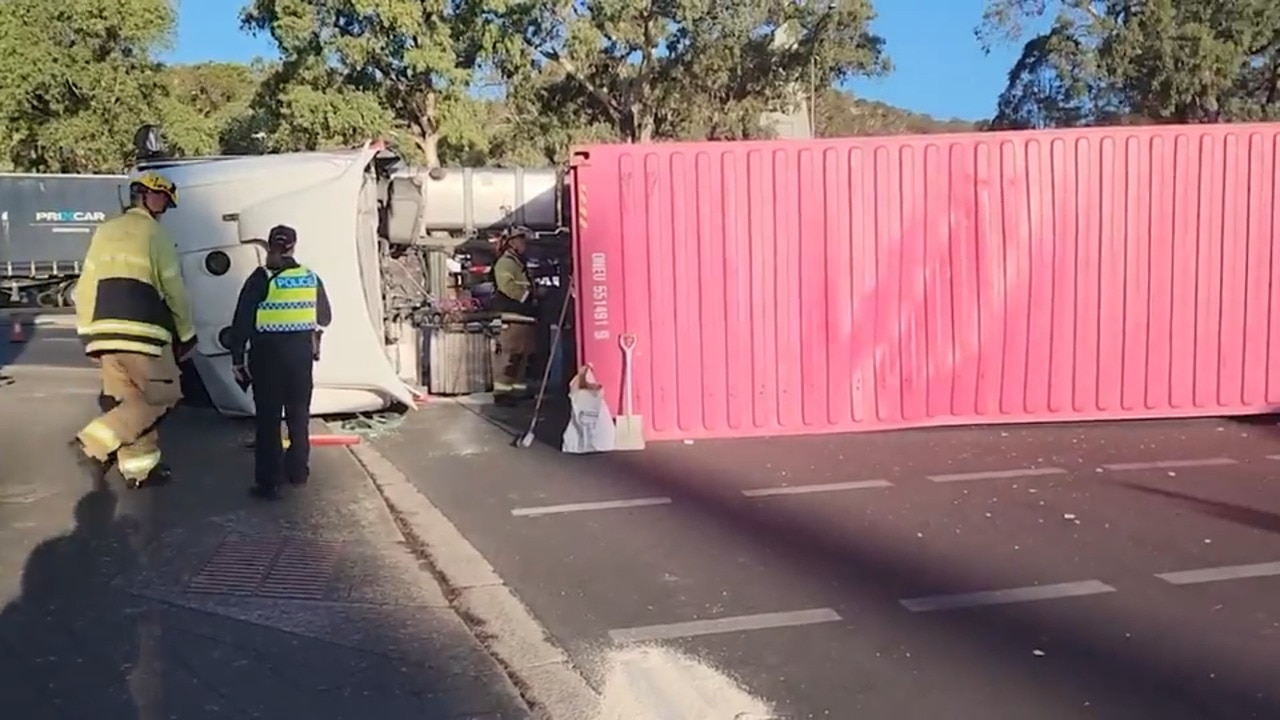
(52, 342)
(194, 601)
(958, 573)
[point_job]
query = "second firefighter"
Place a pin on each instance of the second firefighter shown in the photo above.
(513, 299)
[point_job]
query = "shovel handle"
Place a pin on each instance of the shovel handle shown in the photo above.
(627, 342)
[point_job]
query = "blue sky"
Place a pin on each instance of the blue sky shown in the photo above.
(941, 70)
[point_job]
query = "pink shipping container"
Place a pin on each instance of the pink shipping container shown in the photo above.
(874, 283)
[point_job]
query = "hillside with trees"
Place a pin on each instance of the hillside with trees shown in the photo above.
(499, 82)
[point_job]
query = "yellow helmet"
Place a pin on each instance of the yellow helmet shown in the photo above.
(156, 182)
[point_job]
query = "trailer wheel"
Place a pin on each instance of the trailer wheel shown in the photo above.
(48, 297)
(69, 294)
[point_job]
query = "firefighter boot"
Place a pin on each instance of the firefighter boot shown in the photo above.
(93, 467)
(159, 476)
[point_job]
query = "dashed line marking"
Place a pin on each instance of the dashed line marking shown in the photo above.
(1168, 464)
(589, 506)
(827, 487)
(997, 474)
(740, 623)
(934, 603)
(1218, 574)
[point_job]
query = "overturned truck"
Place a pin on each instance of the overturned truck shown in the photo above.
(386, 238)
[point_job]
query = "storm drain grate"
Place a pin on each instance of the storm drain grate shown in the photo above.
(268, 567)
(301, 571)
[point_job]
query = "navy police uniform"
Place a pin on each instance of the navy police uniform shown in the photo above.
(279, 315)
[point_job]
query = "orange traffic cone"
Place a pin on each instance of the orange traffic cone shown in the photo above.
(17, 333)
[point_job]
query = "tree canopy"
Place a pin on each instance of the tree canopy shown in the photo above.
(501, 82)
(1117, 61)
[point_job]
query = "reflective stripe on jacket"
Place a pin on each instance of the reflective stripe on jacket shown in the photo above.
(290, 304)
(130, 296)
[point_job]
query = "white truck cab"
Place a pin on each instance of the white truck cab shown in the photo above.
(354, 222)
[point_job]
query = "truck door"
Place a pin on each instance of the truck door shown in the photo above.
(214, 276)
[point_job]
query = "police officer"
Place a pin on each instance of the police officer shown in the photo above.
(279, 314)
(134, 318)
(513, 299)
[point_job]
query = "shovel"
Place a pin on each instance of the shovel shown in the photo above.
(629, 426)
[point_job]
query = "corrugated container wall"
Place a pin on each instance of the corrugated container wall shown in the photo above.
(873, 283)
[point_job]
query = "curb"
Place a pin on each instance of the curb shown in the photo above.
(540, 670)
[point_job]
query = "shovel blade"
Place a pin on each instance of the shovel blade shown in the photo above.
(629, 433)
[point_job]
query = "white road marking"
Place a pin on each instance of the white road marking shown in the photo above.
(585, 507)
(1008, 596)
(827, 487)
(740, 623)
(21, 369)
(997, 474)
(67, 322)
(1169, 464)
(1273, 457)
(57, 393)
(1218, 574)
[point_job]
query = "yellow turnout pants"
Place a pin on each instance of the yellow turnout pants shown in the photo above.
(137, 391)
(516, 343)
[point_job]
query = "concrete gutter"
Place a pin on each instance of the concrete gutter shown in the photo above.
(542, 672)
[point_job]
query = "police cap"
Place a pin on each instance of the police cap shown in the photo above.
(283, 237)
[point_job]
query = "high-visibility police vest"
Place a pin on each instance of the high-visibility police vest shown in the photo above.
(290, 304)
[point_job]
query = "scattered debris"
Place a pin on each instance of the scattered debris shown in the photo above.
(370, 426)
(654, 683)
(1038, 653)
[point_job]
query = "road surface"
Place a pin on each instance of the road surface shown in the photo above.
(1126, 571)
(193, 602)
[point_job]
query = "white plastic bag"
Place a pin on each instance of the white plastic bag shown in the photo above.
(590, 428)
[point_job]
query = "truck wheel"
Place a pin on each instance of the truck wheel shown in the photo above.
(69, 294)
(48, 298)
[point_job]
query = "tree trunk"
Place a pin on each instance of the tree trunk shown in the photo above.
(636, 124)
(426, 132)
(429, 146)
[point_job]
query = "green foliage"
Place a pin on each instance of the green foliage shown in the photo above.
(1156, 61)
(78, 80)
(398, 67)
(681, 68)
(206, 107)
(519, 82)
(840, 114)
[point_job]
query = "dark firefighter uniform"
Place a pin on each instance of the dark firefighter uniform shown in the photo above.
(134, 318)
(279, 314)
(513, 299)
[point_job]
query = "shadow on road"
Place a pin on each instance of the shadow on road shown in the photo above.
(1130, 677)
(81, 638)
(1118, 675)
(1238, 514)
(89, 637)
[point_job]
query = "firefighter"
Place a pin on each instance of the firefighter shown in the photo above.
(133, 316)
(513, 299)
(279, 315)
